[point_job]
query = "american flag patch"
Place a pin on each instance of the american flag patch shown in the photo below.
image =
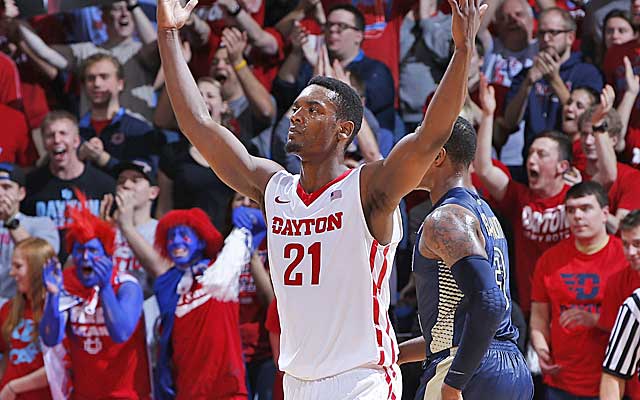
(335, 195)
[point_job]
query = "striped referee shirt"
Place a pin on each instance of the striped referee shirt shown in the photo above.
(623, 350)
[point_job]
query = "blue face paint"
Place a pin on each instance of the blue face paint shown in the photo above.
(184, 246)
(84, 256)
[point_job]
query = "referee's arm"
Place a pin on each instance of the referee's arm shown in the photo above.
(621, 358)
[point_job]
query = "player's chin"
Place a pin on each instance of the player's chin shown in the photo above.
(292, 147)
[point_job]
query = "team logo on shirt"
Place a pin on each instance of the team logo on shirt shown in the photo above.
(585, 286)
(23, 332)
(93, 345)
(306, 226)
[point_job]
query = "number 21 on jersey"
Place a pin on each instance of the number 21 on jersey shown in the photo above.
(298, 254)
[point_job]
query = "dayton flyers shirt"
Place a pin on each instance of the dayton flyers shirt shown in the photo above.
(330, 276)
(103, 368)
(566, 279)
(538, 224)
(23, 354)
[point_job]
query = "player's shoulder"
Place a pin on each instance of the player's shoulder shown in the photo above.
(449, 221)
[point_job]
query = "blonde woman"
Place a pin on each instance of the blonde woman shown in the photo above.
(22, 374)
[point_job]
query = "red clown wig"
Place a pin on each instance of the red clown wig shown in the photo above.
(197, 220)
(85, 226)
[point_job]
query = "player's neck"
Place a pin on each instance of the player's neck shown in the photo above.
(440, 189)
(315, 175)
(592, 245)
(67, 172)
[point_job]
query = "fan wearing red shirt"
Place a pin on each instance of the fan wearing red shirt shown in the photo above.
(99, 311)
(24, 377)
(620, 286)
(569, 283)
(536, 211)
(200, 348)
(16, 146)
(600, 130)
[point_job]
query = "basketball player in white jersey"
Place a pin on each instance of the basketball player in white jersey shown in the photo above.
(332, 232)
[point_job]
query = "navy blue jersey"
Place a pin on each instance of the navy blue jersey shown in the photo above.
(441, 305)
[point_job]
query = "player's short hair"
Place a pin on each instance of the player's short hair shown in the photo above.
(101, 57)
(611, 119)
(347, 102)
(630, 221)
(357, 14)
(461, 146)
(569, 22)
(57, 115)
(565, 147)
(588, 188)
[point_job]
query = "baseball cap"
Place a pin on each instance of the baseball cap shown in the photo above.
(141, 165)
(13, 173)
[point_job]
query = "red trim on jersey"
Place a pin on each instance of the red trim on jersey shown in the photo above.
(383, 271)
(390, 395)
(376, 303)
(308, 198)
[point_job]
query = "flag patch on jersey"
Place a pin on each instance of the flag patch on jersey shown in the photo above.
(335, 195)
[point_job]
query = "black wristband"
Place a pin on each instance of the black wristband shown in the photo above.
(11, 224)
(236, 11)
(133, 7)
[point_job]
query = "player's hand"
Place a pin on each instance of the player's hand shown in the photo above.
(572, 176)
(11, 10)
(547, 366)
(487, 97)
(633, 80)
(52, 276)
(607, 97)
(449, 393)
(574, 317)
(235, 42)
(105, 207)
(171, 15)
(467, 15)
(251, 219)
(103, 268)
(124, 214)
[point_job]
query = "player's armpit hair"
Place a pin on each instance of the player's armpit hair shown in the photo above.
(451, 233)
(487, 306)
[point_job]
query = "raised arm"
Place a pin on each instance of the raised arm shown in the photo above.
(52, 323)
(492, 177)
(122, 310)
(453, 234)
(144, 27)
(144, 251)
(41, 49)
(628, 101)
(258, 37)
(407, 163)
(226, 155)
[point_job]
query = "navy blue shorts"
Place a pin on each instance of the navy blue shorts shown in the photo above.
(502, 375)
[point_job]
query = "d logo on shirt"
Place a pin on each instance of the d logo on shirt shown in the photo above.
(585, 286)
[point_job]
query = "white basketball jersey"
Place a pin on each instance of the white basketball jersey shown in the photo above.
(330, 276)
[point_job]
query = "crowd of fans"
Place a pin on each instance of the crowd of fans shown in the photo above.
(89, 127)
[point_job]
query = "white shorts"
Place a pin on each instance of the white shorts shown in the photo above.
(359, 383)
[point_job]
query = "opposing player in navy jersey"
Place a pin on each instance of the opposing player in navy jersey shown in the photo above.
(461, 268)
(331, 231)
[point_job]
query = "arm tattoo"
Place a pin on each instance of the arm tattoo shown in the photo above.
(452, 232)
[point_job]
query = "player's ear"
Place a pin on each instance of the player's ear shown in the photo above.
(345, 130)
(440, 157)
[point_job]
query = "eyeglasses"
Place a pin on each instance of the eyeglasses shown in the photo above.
(552, 32)
(340, 26)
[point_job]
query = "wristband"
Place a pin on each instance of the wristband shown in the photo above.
(133, 7)
(240, 65)
(236, 11)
